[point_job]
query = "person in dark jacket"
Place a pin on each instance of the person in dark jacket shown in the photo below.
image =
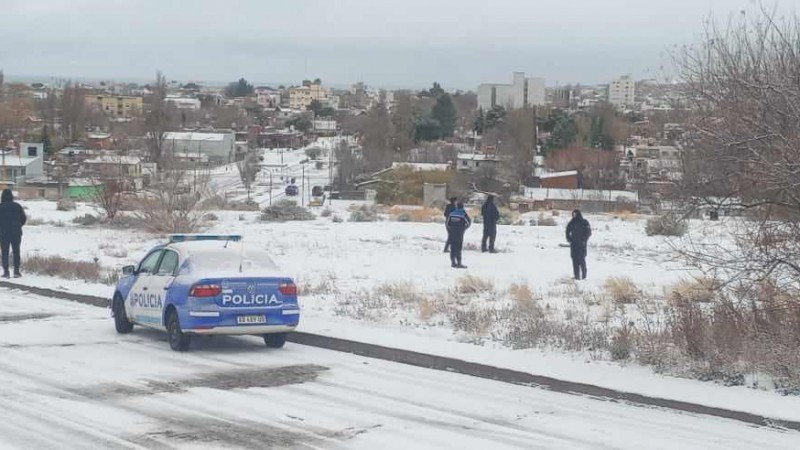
(490, 216)
(447, 210)
(457, 223)
(12, 218)
(578, 234)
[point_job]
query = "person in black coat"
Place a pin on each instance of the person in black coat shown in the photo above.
(12, 218)
(490, 216)
(457, 223)
(578, 234)
(447, 210)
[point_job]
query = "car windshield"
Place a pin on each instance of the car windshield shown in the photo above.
(219, 257)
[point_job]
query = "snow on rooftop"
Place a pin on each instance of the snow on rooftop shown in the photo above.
(566, 173)
(193, 136)
(419, 167)
(124, 160)
(18, 161)
(541, 194)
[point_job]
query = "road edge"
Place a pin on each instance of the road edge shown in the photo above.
(454, 365)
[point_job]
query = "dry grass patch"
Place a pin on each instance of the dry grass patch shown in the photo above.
(700, 290)
(471, 284)
(622, 290)
(522, 295)
(58, 266)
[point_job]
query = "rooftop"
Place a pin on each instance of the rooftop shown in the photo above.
(194, 136)
(123, 160)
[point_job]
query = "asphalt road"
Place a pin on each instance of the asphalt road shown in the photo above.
(67, 380)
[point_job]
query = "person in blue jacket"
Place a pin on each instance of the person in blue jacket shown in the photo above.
(457, 223)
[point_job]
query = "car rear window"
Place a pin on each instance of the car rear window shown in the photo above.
(215, 257)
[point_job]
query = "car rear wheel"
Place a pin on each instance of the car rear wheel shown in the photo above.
(121, 322)
(178, 340)
(276, 340)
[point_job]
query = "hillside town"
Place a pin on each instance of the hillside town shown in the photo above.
(535, 146)
(400, 225)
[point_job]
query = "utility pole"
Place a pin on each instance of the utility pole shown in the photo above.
(303, 181)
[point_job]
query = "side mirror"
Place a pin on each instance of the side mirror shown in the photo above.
(128, 270)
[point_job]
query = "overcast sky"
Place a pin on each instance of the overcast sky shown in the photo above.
(394, 43)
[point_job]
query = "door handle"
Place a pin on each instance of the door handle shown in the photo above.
(144, 288)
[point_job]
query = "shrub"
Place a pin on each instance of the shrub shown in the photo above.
(471, 284)
(622, 343)
(65, 204)
(327, 212)
(286, 210)
(86, 220)
(337, 219)
(622, 290)
(522, 295)
(666, 225)
(57, 266)
(365, 213)
(404, 217)
(544, 221)
(34, 221)
(701, 290)
(210, 217)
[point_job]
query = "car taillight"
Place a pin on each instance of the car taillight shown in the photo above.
(288, 289)
(205, 290)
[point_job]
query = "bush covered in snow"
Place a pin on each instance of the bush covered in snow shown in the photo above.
(666, 225)
(86, 220)
(544, 221)
(365, 213)
(65, 204)
(286, 210)
(327, 212)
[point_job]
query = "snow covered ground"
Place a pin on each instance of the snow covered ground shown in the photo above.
(67, 379)
(389, 283)
(346, 268)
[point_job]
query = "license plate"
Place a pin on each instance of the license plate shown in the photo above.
(247, 320)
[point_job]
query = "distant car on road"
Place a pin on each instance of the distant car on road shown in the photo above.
(292, 190)
(206, 284)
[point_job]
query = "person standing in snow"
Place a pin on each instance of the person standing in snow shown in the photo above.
(490, 216)
(457, 223)
(578, 234)
(12, 218)
(447, 210)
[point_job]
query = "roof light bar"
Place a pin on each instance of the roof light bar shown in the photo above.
(175, 238)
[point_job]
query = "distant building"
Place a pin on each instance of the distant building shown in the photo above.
(522, 92)
(622, 92)
(25, 164)
(114, 167)
(560, 180)
(184, 102)
(118, 106)
(219, 146)
(301, 97)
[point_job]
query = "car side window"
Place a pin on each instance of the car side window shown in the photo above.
(169, 263)
(149, 264)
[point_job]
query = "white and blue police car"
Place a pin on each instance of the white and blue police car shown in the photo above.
(206, 284)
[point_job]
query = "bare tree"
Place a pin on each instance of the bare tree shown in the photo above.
(73, 111)
(745, 147)
(107, 195)
(157, 120)
(171, 205)
(248, 169)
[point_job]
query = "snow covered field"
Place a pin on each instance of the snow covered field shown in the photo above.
(67, 379)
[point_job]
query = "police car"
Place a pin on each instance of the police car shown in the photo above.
(206, 284)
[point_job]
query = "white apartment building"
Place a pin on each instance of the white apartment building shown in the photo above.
(520, 93)
(622, 92)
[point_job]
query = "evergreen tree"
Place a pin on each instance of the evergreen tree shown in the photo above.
(444, 111)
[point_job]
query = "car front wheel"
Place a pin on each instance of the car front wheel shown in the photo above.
(178, 340)
(276, 340)
(121, 322)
